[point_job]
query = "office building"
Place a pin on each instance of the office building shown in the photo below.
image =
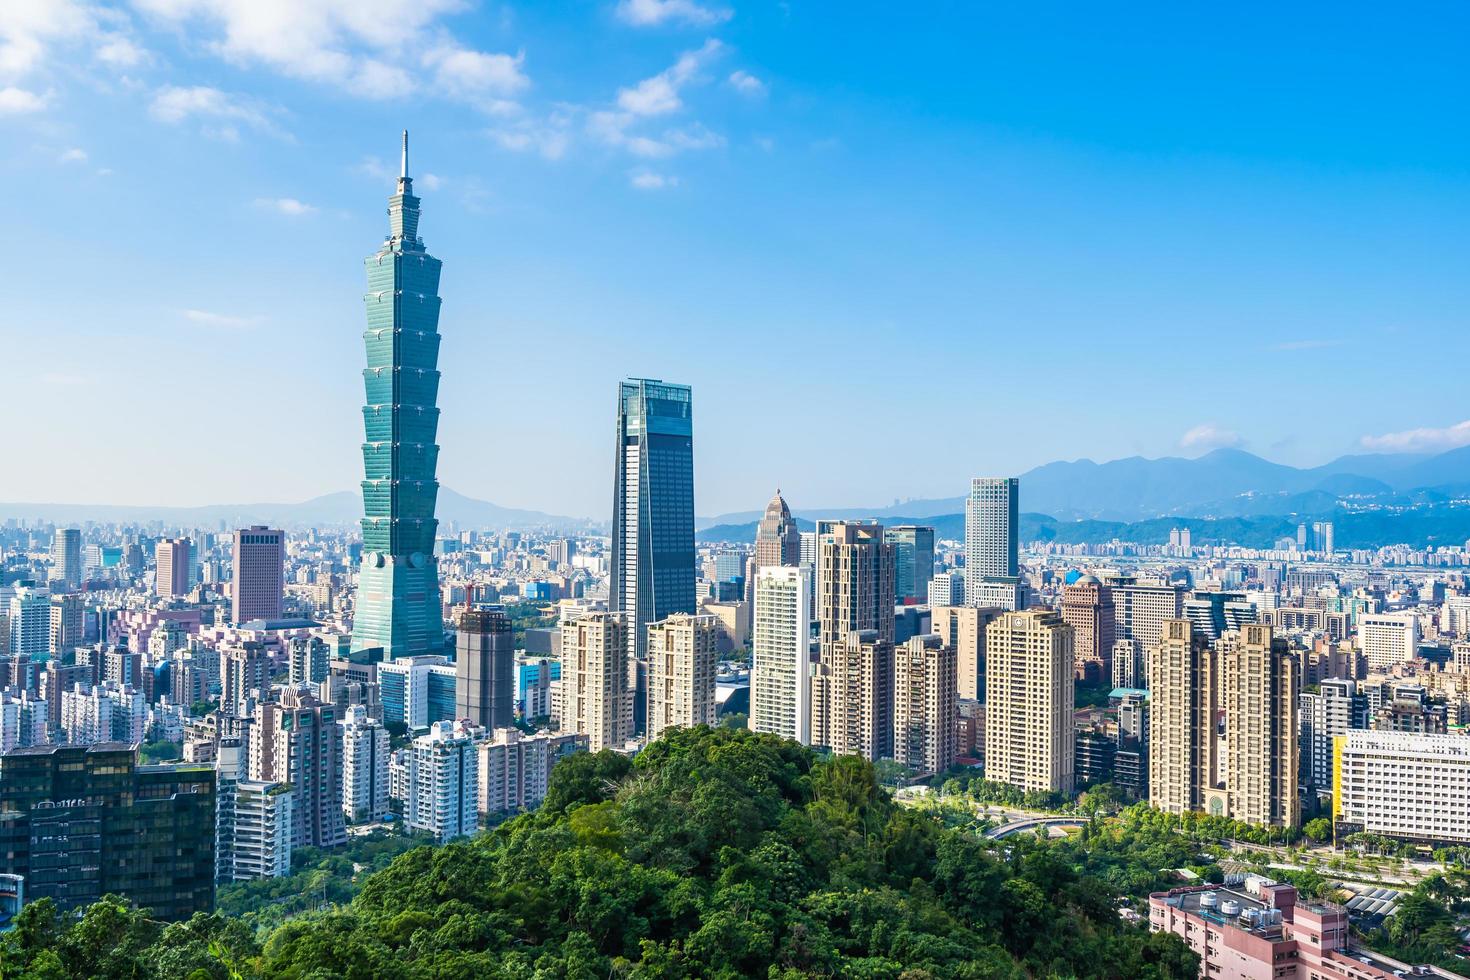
(1388, 639)
(418, 691)
(992, 543)
(1087, 607)
(444, 782)
(515, 768)
(299, 742)
(1336, 708)
(485, 669)
(962, 628)
(913, 561)
(79, 822)
(1141, 610)
(66, 558)
(398, 578)
(171, 568)
(1402, 785)
(925, 716)
(1260, 687)
(780, 672)
(259, 562)
(1182, 745)
(652, 574)
(597, 699)
(365, 748)
(1029, 700)
(681, 672)
(947, 589)
(852, 696)
(777, 538)
(253, 824)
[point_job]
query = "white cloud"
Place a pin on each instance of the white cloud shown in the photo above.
(31, 29)
(1420, 440)
(224, 320)
(120, 52)
(475, 75)
(660, 94)
(1210, 436)
(746, 84)
(647, 180)
(73, 155)
(288, 206)
(651, 13)
(549, 140)
(172, 104)
(430, 182)
(17, 101)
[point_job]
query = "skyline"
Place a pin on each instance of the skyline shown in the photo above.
(759, 206)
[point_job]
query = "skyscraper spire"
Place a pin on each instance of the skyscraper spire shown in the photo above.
(403, 210)
(403, 168)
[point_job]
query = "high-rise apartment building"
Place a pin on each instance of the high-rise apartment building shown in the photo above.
(80, 822)
(852, 696)
(444, 782)
(515, 768)
(398, 579)
(1029, 700)
(1388, 639)
(299, 742)
(66, 558)
(992, 543)
(1334, 709)
(777, 538)
(780, 672)
(962, 628)
(1087, 607)
(1182, 744)
(260, 568)
(681, 672)
(1260, 685)
(855, 575)
(171, 573)
(30, 623)
(1140, 610)
(652, 569)
(244, 674)
(365, 748)
(485, 665)
(253, 821)
(597, 700)
(66, 623)
(913, 561)
(925, 716)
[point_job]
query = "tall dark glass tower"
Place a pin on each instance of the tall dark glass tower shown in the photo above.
(652, 572)
(398, 584)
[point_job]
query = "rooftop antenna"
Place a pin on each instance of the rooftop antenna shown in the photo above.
(403, 169)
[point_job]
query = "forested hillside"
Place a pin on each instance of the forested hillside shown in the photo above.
(716, 853)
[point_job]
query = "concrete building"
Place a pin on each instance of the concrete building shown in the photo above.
(419, 690)
(1388, 639)
(1087, 607)
(309, 660)
(852, 697)
(855, 575)
(992, 539)
(925, 716)
(947, 589)
(443, 782)
(30, 623)
(1336, 708)
(259, 562)
(681, 672)
(66, 623)
(1029, 699)
(597, 698)
(515, 768)
(485, 669)
(171, 560)
(254, 825)
(1413, 787)
(777, 538)
(1260, 687)
(244, 674)
(780, 673)
(1141, 610)
(913, 561)
(1182, 744)
(66, 558)
(299, 742)
(365, 748)
(962, 628)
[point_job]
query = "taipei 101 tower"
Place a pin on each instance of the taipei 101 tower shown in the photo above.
(398, 603)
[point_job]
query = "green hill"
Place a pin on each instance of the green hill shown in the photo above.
(716, 853)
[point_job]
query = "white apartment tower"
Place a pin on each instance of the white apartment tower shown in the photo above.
(780, 673)
(365, 748)
(444, 782)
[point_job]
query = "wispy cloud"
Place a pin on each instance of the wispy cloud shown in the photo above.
(1208, 435)
(652, 13)
(18, 101)
(33, 33)
(288, 206)
(1420, 440)
(73, 155)
(745, 83)
(660, 94)
(222, 320)
(219, 111)
(489, 81)
(647, 180)
(1290, 345)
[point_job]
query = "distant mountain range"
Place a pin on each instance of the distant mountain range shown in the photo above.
(333, 508)
(1223, 483)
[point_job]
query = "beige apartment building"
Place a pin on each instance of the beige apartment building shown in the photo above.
(925, 716)
(681, 672)
(596, 697)
(962, 628)
(852, 697)
(1182, 747)
(1029, 700)
(1260, 683)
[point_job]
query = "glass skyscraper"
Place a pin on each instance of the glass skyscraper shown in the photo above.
(398, 582)
(652, 573)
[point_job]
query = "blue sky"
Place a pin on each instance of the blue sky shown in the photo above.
(891, 246)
